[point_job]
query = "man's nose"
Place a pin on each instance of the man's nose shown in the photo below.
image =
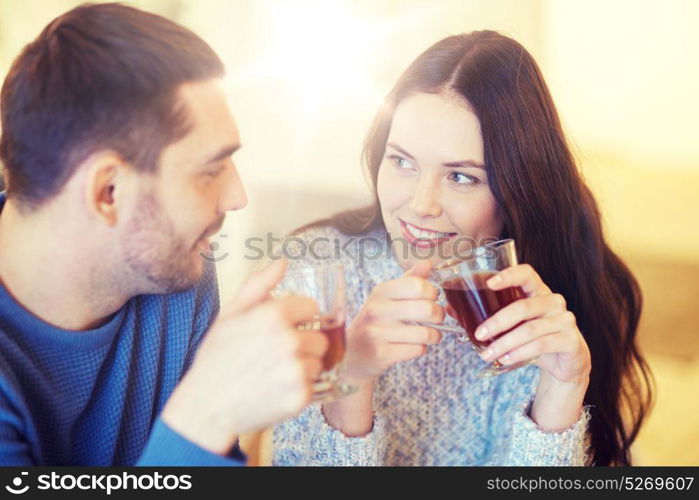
(233, 196)
(425, 200)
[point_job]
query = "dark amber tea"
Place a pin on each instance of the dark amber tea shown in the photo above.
(472, 301)
(336, 344)
(475, 303)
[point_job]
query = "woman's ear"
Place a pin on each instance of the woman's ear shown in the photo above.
(104, 171)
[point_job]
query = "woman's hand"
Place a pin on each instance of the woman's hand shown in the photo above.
(378, 337)
(543, 328)
(548, 330)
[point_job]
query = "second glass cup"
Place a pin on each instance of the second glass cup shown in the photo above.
(326, 285)
(464, 285)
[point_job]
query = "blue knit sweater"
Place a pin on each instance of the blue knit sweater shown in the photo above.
(94, 397)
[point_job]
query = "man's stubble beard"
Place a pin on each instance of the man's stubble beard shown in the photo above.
(156, 259)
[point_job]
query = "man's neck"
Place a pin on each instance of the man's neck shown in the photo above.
(54, 271)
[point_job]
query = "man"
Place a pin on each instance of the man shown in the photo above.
(117, 143)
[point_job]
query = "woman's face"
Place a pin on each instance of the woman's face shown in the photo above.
(432, 185)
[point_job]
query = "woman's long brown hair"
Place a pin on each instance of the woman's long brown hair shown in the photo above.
(548, 210)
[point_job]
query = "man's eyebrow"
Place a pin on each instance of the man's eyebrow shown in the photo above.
(222, 153)
(451, 164)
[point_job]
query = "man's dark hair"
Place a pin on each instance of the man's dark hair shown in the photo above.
(100, 77)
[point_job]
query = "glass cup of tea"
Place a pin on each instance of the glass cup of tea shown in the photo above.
(326, 285)
(472, 301)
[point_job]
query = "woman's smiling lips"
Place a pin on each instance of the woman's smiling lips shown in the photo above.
(421, 237)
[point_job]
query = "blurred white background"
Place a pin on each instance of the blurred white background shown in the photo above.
(306, 77)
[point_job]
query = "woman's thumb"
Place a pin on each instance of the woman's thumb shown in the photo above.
(422, 269)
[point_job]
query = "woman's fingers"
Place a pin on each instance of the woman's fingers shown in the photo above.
(528, 332)
(405, 334)
(522, 275)
(394, 311)
(407, 287)
(558, 343)
(518, 311)
(404, 352)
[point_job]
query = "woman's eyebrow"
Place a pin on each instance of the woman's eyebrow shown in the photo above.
(400, 150)
(451, 164)
(464, 163)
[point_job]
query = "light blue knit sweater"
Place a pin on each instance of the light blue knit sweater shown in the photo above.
(429, 411)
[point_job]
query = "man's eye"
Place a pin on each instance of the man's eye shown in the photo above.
(213, 172)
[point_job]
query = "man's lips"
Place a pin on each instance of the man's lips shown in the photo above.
(204, 240)
(202, 245)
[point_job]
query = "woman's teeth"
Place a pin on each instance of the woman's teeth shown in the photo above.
(426, 235)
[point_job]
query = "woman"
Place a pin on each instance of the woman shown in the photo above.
(469, 146)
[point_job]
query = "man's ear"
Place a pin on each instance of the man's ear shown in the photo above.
(105, 171)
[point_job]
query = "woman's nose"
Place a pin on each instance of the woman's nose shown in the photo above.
(425, 201)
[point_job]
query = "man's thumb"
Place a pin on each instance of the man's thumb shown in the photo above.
(257, 286)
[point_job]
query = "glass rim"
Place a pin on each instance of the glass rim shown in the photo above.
(313, 268)
(455, 261)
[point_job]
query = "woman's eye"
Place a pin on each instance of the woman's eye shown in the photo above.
(400, 162)
(461, 178)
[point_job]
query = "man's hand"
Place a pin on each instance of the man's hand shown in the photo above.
(253, 368)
